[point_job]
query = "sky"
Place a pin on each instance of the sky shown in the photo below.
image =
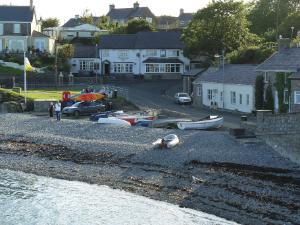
(66, 9)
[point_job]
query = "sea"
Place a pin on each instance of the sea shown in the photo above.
(27, 199)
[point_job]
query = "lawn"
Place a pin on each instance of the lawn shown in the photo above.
(46, 94)
(10, 71)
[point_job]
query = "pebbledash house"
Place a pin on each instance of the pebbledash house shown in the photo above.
(149, 55)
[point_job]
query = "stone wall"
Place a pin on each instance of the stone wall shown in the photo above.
(268, 123)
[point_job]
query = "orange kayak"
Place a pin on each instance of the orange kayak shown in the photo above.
(88, 97)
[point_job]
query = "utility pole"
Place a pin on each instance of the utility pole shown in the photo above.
(55, 75)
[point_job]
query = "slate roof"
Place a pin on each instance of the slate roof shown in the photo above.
(16, 13)
(143, 40)
(186, 16)
(73, 22)
(233, 74)
(295, 76)
(85, 51)
(162, 60)
(39, 34)
(127, 13)
(166, 20)
(287, 60)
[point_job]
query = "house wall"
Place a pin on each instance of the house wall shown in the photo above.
(136, 58)
(75, 65)
(201, 99)
(295, 86)
(43, 44)
(15, 43)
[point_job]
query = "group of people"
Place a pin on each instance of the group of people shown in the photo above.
(55, 108)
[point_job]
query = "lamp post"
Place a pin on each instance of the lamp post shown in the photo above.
(292, 33)
(222, 57)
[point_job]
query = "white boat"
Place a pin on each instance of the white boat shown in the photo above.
(168, 141)
(114, 121)
(211, 122)
(168, 123)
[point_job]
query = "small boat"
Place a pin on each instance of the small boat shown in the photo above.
(88, 97)
(168, 141)
(167, 123)
(143, 122)
(210, 122)
(114, 121)
(135, 117)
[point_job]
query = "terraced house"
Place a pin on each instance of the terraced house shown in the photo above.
(145, 54)
(20, 30)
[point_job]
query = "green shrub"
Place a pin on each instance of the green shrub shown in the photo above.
(259, 92)
(269, 104)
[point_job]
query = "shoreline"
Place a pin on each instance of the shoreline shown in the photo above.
(246, 192)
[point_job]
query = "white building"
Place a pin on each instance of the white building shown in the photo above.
(146, 54)
(20, 30)
(233, 89)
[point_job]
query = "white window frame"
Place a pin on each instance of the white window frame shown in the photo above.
(151, 53)
(233, 97)
(209, 94)
(241, 99)
(17, 28)
(297, 97)
(123, 54)
(1, 29)
(163, 53)
(122, 68)
(248, 99)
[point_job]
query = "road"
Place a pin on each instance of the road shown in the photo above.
(159, 95)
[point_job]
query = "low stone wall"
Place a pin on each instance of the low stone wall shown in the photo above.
(42, 105)
(268, 123)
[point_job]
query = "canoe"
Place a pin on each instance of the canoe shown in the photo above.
(167, 123)
(168, 141)
(114, 121)
(211, 122)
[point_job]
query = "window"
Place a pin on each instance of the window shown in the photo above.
(209, 94)
(163, 68)
(96, 66)
(83, 65)
(233, 97)
(266, 78)
(174, 53)
(17, 28)
(123, 54)
(152, 68)
(248, 99)
(221, 96)
(123, 68)
(297, 97)
(151, 53)
(1, 29)
(163, 53)
(105, 53)
(286, 96)
(241, 99)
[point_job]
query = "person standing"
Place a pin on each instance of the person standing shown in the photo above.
(57, 108)
(51, 108)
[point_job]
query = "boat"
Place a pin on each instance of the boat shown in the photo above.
(114, 121)
(143, 122)
(88, 97)
(168, 123)
(169, 141)
(210, 122)
(133, 118)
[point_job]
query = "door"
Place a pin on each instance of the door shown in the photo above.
(106, 69)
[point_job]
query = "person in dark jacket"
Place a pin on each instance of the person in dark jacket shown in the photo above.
(51, 108)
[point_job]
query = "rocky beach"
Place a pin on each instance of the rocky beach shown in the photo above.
(245, 181)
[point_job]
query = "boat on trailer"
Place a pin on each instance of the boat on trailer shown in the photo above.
(210, 122)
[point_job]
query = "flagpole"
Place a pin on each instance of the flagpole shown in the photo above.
(25, 78)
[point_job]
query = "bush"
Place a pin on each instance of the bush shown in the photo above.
(259, 92)
(269, 104)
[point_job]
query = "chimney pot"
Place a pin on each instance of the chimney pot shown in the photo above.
(136, 5)
(76, 17)
(31, 4)
(111, 7)
(181, 11)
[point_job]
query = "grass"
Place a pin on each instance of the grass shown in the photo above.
(10, 71)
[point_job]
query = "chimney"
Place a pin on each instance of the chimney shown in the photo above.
(283, 43)
(76, 17)
(181, 11)
(136, 5)
(31, 4)
(111, 7)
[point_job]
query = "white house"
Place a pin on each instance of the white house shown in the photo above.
(76, 28)
(231, 89)
(145, 54)
(85, 61)
(20, 29)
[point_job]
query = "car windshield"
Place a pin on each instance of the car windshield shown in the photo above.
(183, 95)
(76, 104)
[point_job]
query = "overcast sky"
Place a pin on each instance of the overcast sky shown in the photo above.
(66, 9)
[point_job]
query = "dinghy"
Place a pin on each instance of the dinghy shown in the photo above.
(211, 122)
(114, 121)
(168, 141)
(168, 123)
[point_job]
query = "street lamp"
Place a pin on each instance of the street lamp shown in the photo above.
(222, 57)
(292, 28)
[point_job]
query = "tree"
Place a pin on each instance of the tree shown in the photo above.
(103, 23)
(266, 15)
(221, 25)
(50, 22)
(269, 104)
(135, 26)
(64, 53)
(87, 17)
(259, 92)
(293, 20)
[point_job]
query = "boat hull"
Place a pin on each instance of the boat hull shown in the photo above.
(201, 125)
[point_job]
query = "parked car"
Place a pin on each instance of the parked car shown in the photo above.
(183, 98)
(83, 108)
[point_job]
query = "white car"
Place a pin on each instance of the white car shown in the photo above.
(183, 98)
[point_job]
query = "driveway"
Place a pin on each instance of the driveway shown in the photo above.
(159, 95)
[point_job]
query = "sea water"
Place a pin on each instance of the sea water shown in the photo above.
(28, 199)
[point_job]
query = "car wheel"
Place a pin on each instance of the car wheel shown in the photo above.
(76, 114)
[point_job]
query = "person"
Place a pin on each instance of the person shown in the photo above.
(51, 107)
(57, 108)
